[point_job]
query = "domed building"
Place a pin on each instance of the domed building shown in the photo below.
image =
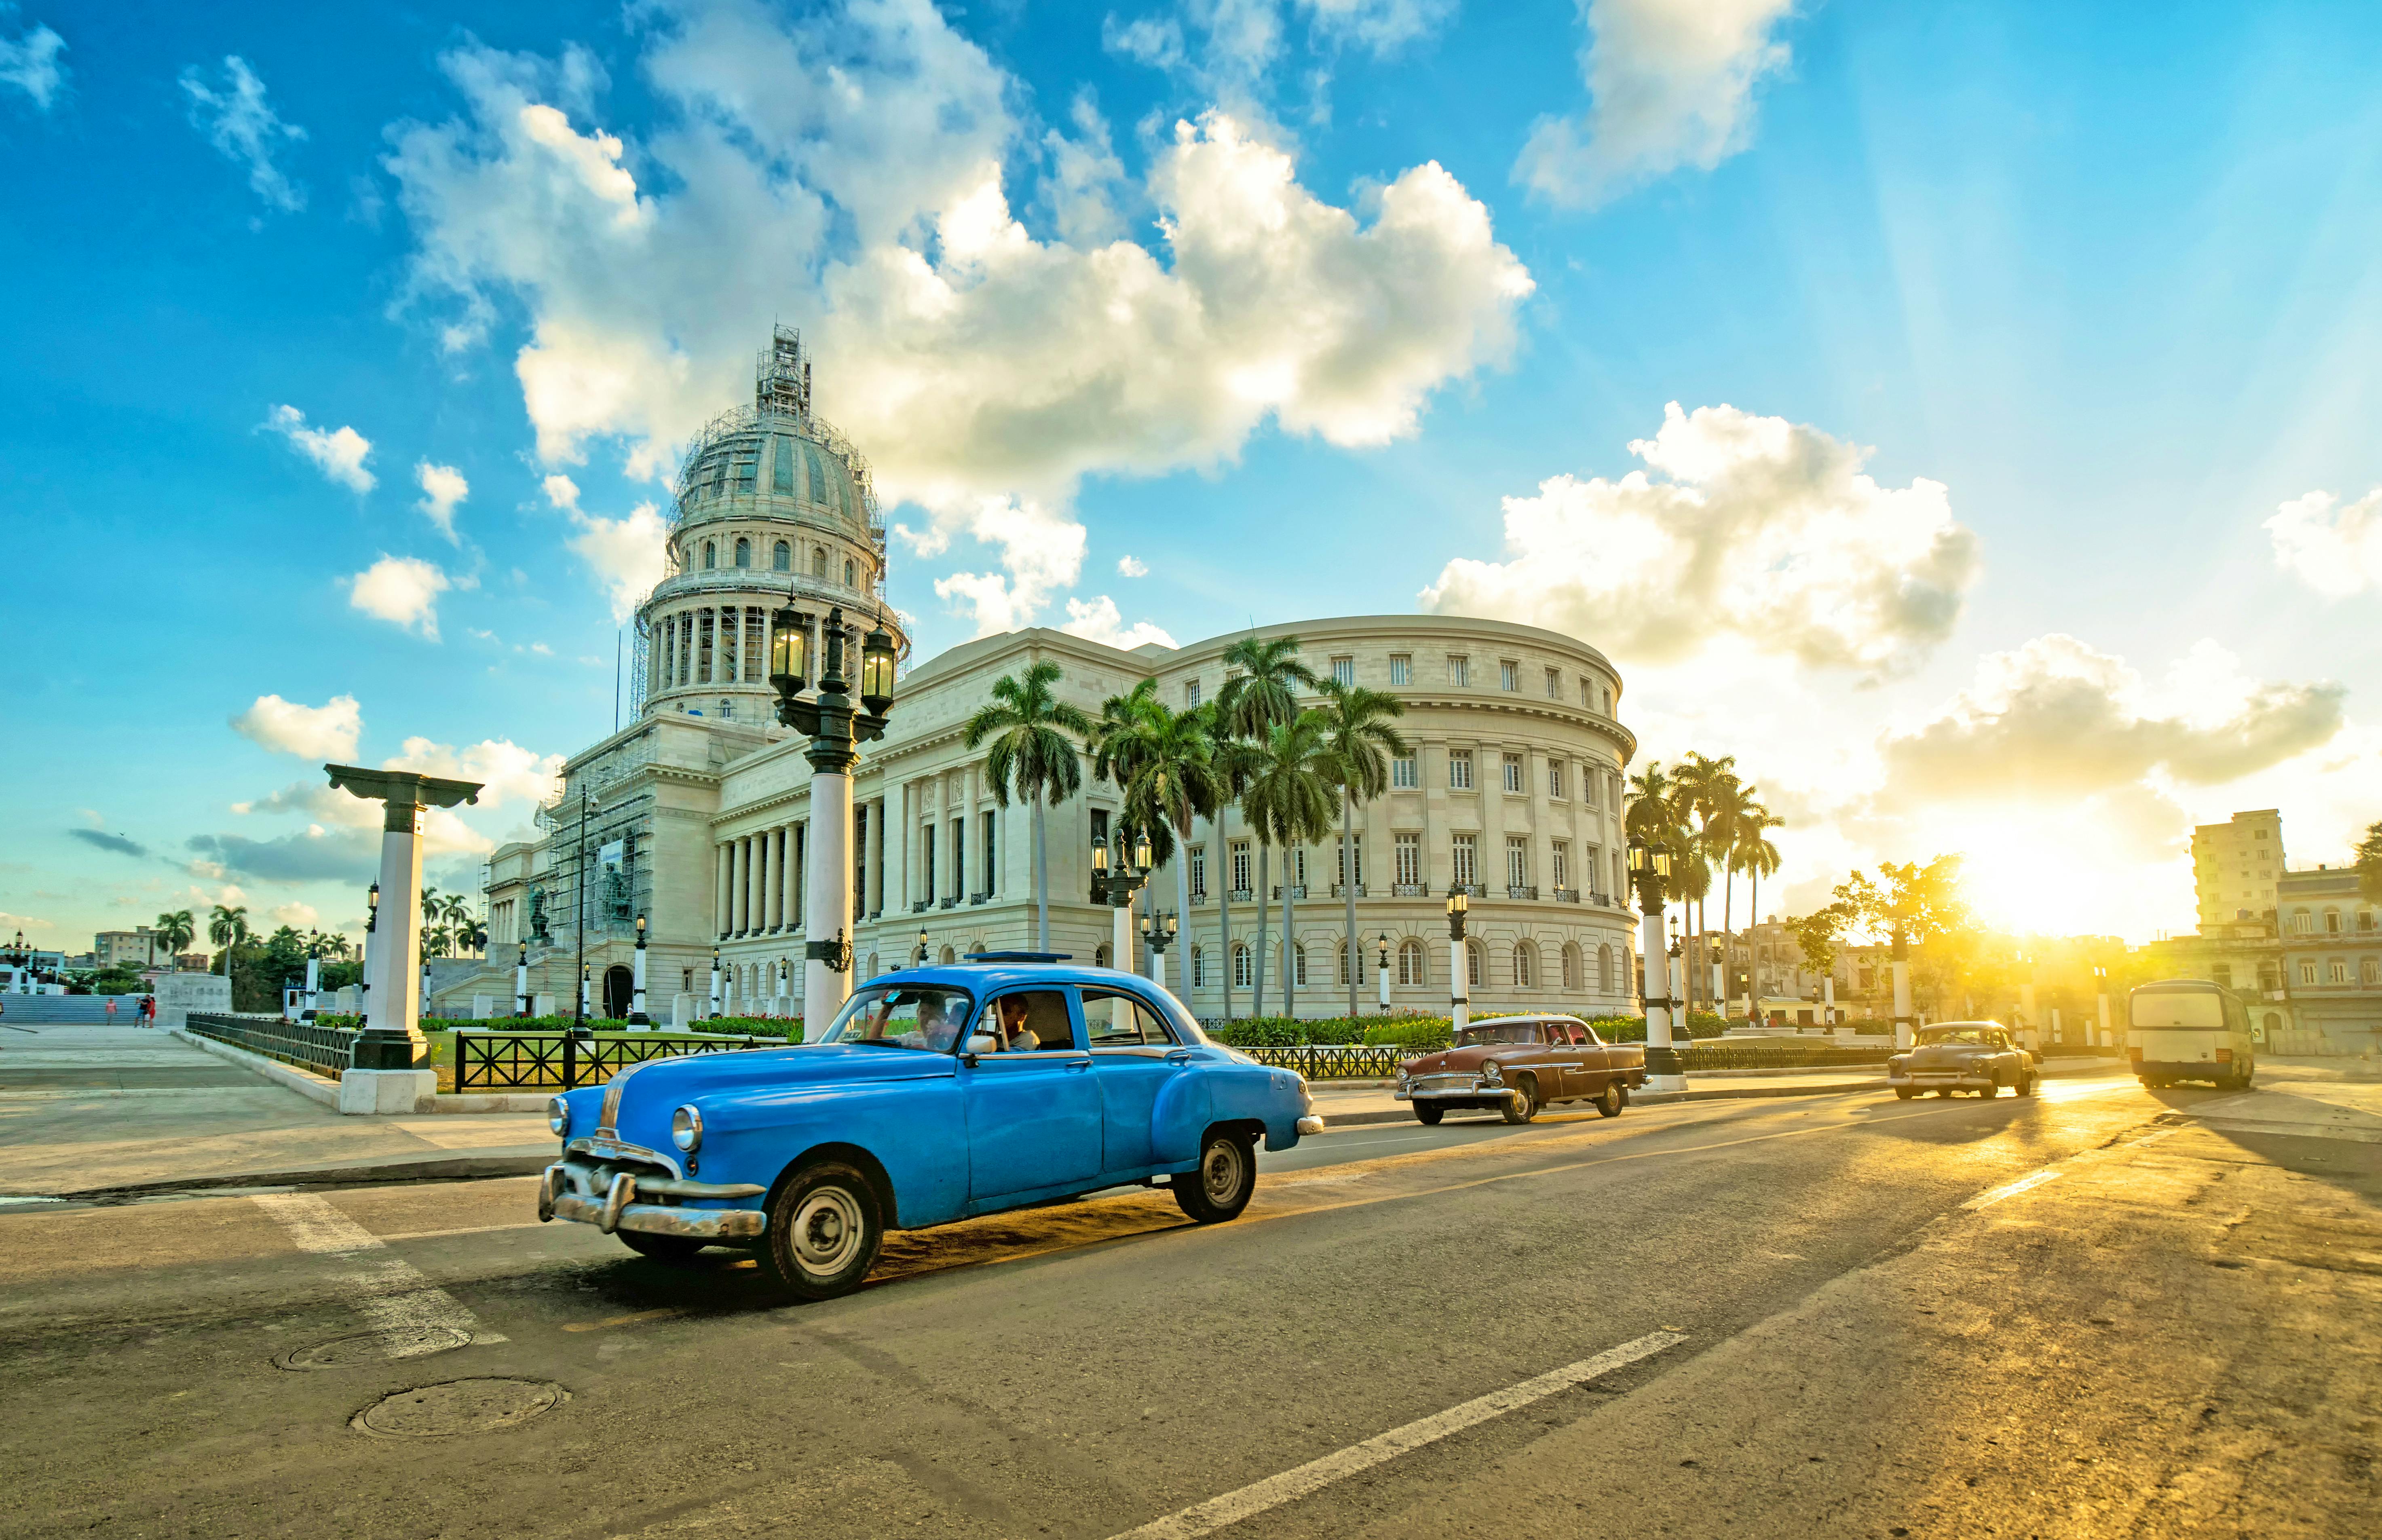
(696, 815)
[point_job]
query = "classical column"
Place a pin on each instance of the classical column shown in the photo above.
(765, 866)
(383, 1078)
(741, 886)
(719, 889)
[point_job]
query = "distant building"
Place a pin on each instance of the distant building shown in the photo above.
(139, 948)
(2235, 867)
(2331, 945)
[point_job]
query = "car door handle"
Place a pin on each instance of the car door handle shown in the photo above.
(1078, 1063)
(1179, 1055)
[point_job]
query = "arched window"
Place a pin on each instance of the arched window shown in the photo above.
(710, 556)
(948, 959)
(744, 551)
(849, 573)
(781, 556)
(1472, 965)
(1198, 969)
(1101, 955)
(1410, 963)
(1605, 967)
(1241, 974)
(1344, 963)
(1571, 965)
(1526, 966)
(1299, 960)
(818, 562)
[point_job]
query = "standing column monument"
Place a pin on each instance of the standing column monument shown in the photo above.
(383, 1078)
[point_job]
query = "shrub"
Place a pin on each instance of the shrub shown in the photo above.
(1423, 1034)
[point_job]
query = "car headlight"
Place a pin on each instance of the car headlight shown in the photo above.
(1490, 1073)
(558, 1118)
(686, 1129)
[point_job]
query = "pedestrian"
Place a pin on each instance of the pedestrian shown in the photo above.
(111, 1010)
(149, 1010)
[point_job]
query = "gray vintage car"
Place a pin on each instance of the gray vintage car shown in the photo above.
(1982, 1056)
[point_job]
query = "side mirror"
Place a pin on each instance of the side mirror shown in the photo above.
(981, 1044)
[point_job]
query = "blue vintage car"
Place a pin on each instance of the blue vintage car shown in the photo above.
(938, 1094)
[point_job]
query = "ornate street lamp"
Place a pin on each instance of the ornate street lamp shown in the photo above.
(1114, 881)
(922, 947)
(637, 1017)
(521, 977)
(1650, 870)
(1459, 977)
(1382, 970)
(1158, 933)
(714, 1014)
(836, 731)
(372, 922)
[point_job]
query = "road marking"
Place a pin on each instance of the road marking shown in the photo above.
(2012, 1190)
(395, 1298)
(1206, 1518)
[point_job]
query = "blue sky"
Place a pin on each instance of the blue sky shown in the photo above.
(2019, 499)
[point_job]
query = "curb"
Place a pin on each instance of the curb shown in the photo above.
(453, 1167)
(315, 1088)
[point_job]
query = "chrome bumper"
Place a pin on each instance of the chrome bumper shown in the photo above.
(616, 1208)
(1444, 1093)
(1939, 1081)
(1310, 1124)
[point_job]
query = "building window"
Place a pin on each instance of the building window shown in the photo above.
(2332, 922)
(2369, 971)
(1404, 774)
(1459, 670)
(1570, 966)
(819, 563)
(2302, 922)
(702, 649)
(1343, 949)
(1354, 850)
(1191, 696)
(1343, 671)
(1294, 868)
(1605, 967)
(2307, 973)
(1401, 669)
(1410, 963)
(781, 558)
(1513, 782)
(1198, 872)
(1554, 779)
(1509, 675)
(744, 551)
(1462, 848)
(927, 846)
(1472, 955)
(1554, 685)
(1298, 963)
(990, 858)
(1409, 860)
(1241, 965)
(1518, 860)
(1525, 970)
(710, 556)
(2221, 975)
(851, 576)
(1459, 769)
(1240, 854)
(2337, 973)
(1559, 863)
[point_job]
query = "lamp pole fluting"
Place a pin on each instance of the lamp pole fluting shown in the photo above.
(1459, 977)
(836, 733)
(637, 1017)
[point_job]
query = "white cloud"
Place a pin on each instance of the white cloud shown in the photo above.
(1670, 84)
(1041, 550)
(626, 553)
(319, 802)
(506, 770)
(31, 64)
(243, 127)
(338, 453)
(304, 916)
(850, 170)
(1378, 24)
(2334, 549)
(1100, 621)
(400, 589)
(1763, 535)
(2055, 720)
(1128, 566)
(442, 487)
(562, 492)
(325, 732)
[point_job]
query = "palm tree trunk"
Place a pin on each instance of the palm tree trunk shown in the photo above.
(1753, 969)
(1348, 886)
(1289, 961)
(1224, 905)
(1729, 920)
(1257, 997)
(1041, 885)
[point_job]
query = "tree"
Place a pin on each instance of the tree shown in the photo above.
(1817, 934)
(1261, 693)
(1707, 792)
(1165, 762)
(2369, 863)
(1028, 725)
(1909, 903)
(1752, 852)
(175, 929)
(1358, 732)
(228, 927)
(1289, 801)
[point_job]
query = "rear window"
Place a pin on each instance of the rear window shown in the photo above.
(2180, 1008)
(1516, 1032)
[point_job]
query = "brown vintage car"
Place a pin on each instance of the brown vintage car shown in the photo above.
(1518, 1063)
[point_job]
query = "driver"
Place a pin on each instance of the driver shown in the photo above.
(939, 1024)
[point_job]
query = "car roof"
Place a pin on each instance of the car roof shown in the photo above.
(985, 978)
(1946, 1025)
(1533, 1018)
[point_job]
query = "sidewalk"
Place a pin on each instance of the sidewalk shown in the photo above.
(115, 1111)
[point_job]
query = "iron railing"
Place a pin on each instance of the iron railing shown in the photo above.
(1345, 1061)
(1778, 1053)
(556, 1061)
(329, 1049)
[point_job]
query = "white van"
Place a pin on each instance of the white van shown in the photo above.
(2189, 1030)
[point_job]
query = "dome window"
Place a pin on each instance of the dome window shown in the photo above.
(847, 574)
(710, 556)
(818, 562)
(743, 552)
(781, 558)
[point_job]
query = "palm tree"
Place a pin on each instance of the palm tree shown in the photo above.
(1261, 694)
(461, 921)
(1753, 854)
(434, 941)
(1734, 804)
(1031, 750)
(1166, 763)
(228, 927)
(174, 930)
(1704, 789)
(1290, 800)
(1356, 730)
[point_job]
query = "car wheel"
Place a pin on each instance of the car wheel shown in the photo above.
(1227, 1175)
(1524, 1104)
(1990, 1088)
(1610, 1104)
(2026, 1085)
(825, 1227)
(676, 1250)
(1428, 1114)
(1904, 1093)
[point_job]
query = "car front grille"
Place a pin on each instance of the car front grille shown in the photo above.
(1446, 1082)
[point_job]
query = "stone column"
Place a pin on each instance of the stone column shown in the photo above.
(383, 1078)
(718, 889)
(741, 887)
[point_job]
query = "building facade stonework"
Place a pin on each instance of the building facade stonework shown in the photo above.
(697, 815)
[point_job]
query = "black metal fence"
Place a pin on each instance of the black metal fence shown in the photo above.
(556, 1061)
(1779, 1054)
(327, 1049)
(1347, 1061)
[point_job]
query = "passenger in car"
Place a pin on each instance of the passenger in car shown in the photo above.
(1013, 1034)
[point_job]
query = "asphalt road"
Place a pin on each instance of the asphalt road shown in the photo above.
(2100, 1312)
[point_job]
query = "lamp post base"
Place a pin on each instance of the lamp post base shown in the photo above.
(389, 1047)
(1664, 1070)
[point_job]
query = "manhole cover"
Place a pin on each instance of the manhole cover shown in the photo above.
(458, 1406)
(347, 1352)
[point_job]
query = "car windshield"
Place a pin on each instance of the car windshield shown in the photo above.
(1512, 1031)
(1981, 1037)
(903, 1015)
(2202, 1008)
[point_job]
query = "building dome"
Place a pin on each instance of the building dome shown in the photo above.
(772, 507)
